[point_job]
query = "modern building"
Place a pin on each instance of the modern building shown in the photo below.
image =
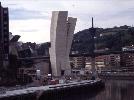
(4, 36)
(88, 62)
(100, 62)
(114, 60)
(78, 62)
(104, 62)
(127, 61)
(61, 35)
(127, 58)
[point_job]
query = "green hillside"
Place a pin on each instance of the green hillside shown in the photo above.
(111, 38)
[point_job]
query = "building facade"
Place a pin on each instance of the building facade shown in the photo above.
(4, 36)
(86, 62)
(78, 62)
(127, 61)
(114, 60)
(102, 62)
(61, 35)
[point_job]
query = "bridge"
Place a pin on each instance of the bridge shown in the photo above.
(77, 55)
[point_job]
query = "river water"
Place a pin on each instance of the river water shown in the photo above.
(114, 90)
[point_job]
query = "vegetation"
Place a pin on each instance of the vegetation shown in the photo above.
(111, 38)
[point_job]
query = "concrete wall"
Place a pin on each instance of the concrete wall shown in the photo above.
(69, 38)
(61, 35)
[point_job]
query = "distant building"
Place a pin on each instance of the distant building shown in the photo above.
(127, 61)
(38, 71)
(77, 62)
(101, 62)
(128, 48)
(26, 75)
(114, 60)
(4, 36)
(88, 62)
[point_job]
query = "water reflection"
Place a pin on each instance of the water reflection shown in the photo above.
(77, 94)
(116, 90)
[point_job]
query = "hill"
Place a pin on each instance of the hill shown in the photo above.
(111, 38)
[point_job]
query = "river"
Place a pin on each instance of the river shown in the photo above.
(114, 90)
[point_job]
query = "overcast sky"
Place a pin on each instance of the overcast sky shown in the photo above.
(31, 18)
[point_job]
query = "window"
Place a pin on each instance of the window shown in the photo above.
(5, 22)
(5, 28)
(5, 39)
(5, 11)
(6, 33)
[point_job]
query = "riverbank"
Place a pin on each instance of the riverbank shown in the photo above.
(53, 90)
(117, 75)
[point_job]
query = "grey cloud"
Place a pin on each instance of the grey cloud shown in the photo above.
(22, 13)
(108, 18)
(29, 30)
(124, 13)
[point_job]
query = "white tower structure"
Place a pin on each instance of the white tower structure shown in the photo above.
(61, 35)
